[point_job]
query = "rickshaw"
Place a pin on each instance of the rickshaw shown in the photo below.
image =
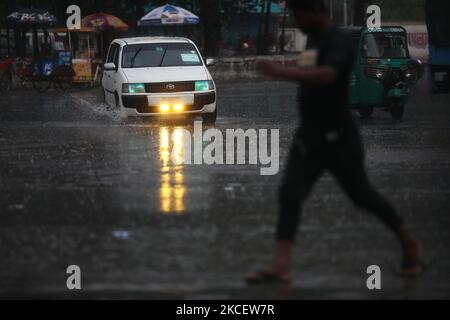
(81, 50)
(384, 72)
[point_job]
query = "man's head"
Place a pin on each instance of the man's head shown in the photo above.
(309, 14)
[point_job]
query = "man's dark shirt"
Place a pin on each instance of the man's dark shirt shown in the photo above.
(324, 112)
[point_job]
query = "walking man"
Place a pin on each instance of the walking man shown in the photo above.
(328, 139)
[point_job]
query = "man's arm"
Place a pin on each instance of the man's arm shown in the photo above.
(324, 75)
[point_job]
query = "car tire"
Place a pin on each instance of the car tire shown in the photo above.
(104, 96)
(210, 118)
(365, 112)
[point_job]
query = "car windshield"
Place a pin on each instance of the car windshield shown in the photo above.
(160, 55)
(385, 45)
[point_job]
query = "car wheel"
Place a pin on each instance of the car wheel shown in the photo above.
(365, 112)
(210, 118)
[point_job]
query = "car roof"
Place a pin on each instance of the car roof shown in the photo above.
(140, 40)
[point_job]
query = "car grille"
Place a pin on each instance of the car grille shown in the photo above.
(140, 102)
(164, 87)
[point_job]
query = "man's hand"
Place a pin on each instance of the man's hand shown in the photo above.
(321, 75)
(268, 68)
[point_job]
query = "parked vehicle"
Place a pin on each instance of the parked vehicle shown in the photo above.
(159, 76)
(438, 25)
(384, 72)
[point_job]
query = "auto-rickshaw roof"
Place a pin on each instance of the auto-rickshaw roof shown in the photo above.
(354, 30)
(383, 29)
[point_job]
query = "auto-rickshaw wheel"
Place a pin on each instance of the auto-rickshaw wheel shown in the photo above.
(365, 112)
(397, 110)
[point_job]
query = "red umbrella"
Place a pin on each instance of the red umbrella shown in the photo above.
(103, 21)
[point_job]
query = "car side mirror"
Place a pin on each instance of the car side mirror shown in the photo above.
(110, 66)
(210, 62)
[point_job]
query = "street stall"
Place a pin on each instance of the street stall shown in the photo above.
(41, 66)
(79, 49)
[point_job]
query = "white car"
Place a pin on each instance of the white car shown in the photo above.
(159, 76)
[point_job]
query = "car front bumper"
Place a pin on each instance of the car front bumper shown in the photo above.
(149, 105)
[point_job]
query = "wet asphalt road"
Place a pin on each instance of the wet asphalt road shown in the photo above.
(79, 185)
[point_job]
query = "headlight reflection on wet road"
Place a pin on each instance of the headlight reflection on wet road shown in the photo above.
(172, 190)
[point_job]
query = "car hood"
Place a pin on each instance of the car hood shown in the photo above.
(165, 74)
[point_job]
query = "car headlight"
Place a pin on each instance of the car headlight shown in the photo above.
(204, 85)
(133, 88)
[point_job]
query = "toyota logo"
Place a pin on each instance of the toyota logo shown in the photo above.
(170, 86)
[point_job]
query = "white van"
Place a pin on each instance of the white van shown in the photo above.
(159, 76)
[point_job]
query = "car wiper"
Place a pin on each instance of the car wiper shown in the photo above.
(162, 59)
(134, 56)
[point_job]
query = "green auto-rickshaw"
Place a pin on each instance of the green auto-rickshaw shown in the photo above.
(384, 72)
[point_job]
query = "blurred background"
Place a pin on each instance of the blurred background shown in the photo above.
(229, 27)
